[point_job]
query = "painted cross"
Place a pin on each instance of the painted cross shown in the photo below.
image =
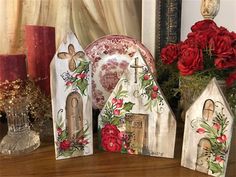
(136, 66)
(208, 109)
(72, 55)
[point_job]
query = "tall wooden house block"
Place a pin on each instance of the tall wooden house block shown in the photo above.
(137, 119)
(208, 132)
(71, 100)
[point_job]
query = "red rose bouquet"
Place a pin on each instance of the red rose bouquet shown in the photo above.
(209, 51)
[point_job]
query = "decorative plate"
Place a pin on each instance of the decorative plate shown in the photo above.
(110, 56)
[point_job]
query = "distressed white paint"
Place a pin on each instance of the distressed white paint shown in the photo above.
(59, 92)
(192, 121)
(161, 122)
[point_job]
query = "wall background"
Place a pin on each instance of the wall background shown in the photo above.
(191, 14)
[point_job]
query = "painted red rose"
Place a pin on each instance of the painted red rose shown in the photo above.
(169, 54)
(231, 79)
(110, 130)
(64, 145)
(204, 25)
(111, 140)
(191, 60)
(111, 143)
(221, 45)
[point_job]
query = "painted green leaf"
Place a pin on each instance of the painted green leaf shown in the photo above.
(145, 83)
(82, 85)
(128, 106)
(63, 135)
(67, 153)
(115, 121)
(215, 167)
(83, 66)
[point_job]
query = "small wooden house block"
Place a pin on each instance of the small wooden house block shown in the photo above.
(71, 100)
(137, 119)
(208, 132)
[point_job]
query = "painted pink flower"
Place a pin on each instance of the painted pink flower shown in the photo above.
(222, 139)
(114, 100)
(119, 101)
(153, 95)
(81, 76)
(59, 131)
(116, 112)
(218, 158)
(146, 77)
(69, 83)
(216, 126)
(130, 151)
(155, 88)
(118, 105)
(201, 130)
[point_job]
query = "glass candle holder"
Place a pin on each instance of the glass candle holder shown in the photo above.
(19, 139)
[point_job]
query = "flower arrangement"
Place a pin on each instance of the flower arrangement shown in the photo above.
(208, 50)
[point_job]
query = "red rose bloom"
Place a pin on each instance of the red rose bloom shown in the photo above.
(111, 140)
(110, 130)
(114, 100)
(111, 143)
(204, 25)
(169, 54)
(221, 45)
(191, 60)
(198, 39)
(225, 62)
(64, 145)
(231, 79)
(120, 101)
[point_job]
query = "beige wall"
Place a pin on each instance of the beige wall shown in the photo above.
(191, 14)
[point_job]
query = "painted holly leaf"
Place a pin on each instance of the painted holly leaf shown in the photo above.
(83, 66)
(215, 167)
(82, 85)
(128, 106)
(63, 136)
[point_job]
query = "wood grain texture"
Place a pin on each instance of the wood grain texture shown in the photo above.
(42, 163)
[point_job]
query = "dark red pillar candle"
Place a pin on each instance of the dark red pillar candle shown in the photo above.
(40, 44)
(12, 67)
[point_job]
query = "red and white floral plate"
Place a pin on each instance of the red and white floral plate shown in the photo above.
(110, 56)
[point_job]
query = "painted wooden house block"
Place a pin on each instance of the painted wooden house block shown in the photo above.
(208, 132)
(71, 100)
(137, 119)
